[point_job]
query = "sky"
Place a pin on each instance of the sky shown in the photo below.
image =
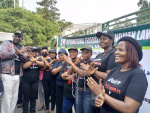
(89, 11)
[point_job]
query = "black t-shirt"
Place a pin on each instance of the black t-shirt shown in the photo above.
(31, 73)
(47, 72)
(67, 87)
(132, 83)
(82, 82)
(105, 62)
(17, 60)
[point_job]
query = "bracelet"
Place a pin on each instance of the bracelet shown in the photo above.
(76, 69)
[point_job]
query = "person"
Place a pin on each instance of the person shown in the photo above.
(49, 81)
(69, 85)
(104, 61)
(12, 56)
(30, 80)
(124, 88)
(59, 81)
(83, 92)
(40, 87)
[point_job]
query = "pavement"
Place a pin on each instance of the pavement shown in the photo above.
(19, 110)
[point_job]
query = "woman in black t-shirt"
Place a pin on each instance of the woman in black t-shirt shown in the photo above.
(104, 61)
(49, 81)
(30, 80)
(125, 87)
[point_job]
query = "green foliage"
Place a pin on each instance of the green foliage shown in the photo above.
(143, 4)
(6, 4)
(37, 31)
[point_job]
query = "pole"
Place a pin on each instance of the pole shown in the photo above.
(14, 3)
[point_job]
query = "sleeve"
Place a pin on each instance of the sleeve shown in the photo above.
(55, 66)
(137, 87)
(6, 51)
(62, 70)
(111, 62)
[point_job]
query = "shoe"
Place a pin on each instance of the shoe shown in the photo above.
(47, 111)
(19, 105)
(40, 108)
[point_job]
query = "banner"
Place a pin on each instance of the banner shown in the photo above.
(141, 33)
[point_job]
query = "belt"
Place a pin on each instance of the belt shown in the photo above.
(82, 89)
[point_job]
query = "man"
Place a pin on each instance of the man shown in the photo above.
(12, 55)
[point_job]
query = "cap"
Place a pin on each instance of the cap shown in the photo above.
(62, 51)
(34, 48)
(135, 43)
(110, 34)
(20, 32)
(73, 48)
(86, 48)
(52, 50)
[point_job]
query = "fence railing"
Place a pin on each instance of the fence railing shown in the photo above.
(127, 20)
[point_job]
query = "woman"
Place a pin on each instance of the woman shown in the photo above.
(125, 86)
(30, 80)
(59, 82)
(49, 81)
(104, 61)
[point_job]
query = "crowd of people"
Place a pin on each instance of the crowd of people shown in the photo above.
(111, 83)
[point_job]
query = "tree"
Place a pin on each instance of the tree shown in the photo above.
(37, 31)
(48, 10)
(6, 4)
(143, 4)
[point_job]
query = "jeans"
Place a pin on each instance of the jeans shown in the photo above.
(83, 103)
(67, 105)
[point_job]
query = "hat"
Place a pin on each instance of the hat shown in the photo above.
(62, 51)
(34, 48)
(20, 32)
(52, 50)
(86, 48)
(109, 34)
(73, 48)
(135, 43)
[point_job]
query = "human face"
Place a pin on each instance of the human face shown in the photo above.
(86, 55)
(73, 54)
(105, 42)
(34, 53)
(52, 55)
(61, 56)
(121, 55)
(44, 52)
(17, 38)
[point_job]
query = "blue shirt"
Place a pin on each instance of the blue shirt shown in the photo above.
(59, 80)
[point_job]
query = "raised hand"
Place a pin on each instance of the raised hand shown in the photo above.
(84, 66)
(67, 59)
(52, 61)
(91, 70)
(78, 60)
(16, 50)
(32, 59)
(37, 58)
(96, 88)
(99, 100)
(24, 49)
